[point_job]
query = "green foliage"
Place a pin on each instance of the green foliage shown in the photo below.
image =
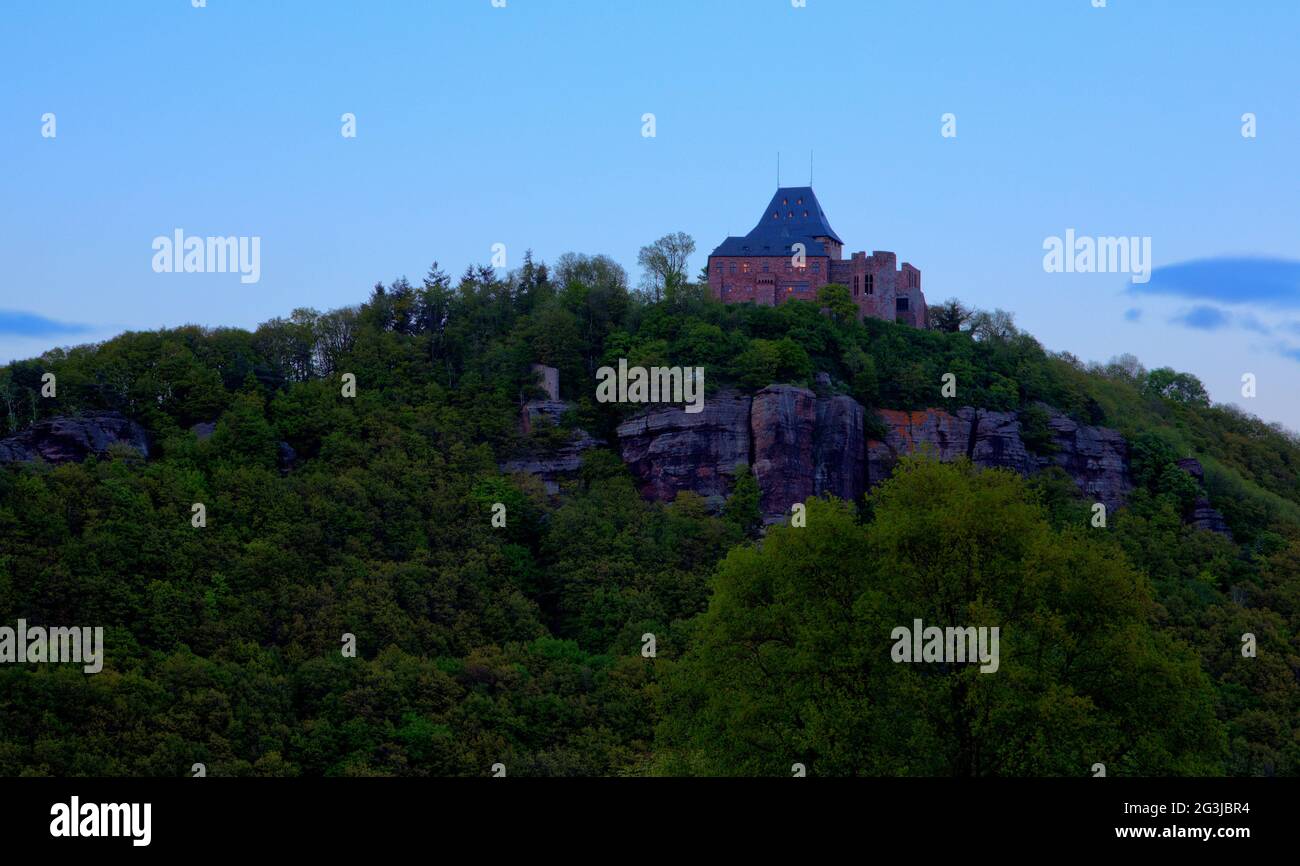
(792, 661)
(522, 644)
(744, 510)
(836, 298)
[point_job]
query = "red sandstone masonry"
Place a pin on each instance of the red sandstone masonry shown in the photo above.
(780, 282)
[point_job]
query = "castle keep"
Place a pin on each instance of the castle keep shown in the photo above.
(761, 266)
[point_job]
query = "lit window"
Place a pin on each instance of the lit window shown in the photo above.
(800, 201)
(784, 202)
(790, 215)
(775, 215)
(805, 214)
(744, 268)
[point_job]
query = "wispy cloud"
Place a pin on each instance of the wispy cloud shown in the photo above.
(1266, 282)
(19, 324)
(1204, 318)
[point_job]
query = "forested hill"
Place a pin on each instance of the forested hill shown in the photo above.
(370, 515)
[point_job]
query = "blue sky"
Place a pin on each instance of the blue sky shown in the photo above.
(479, 125)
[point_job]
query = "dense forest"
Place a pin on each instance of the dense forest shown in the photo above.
(522, 645)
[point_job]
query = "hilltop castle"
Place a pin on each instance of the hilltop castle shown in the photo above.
(761, 266)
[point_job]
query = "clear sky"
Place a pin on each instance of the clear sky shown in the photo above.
(522, 125)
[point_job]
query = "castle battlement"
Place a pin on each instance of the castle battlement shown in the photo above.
(761, 267)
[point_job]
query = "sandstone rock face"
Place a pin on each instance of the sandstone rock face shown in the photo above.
(1095, 457)
(1193, 467)
(783, 421)
(996, 441)
(66, 440)
(839, 448)
(1203, 516)
(553, 466)
(670, 450)
(931, 431)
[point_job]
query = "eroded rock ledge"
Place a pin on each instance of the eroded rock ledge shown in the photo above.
(801, 445)
(73, 439)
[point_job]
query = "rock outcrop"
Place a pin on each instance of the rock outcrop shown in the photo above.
(801, 445)
(1203, 515)
(553, 466)
(987, 438)
(798, 445)
(1095, 457)
(839, 448)
(72, 439)
(784, 423)
(670, 450)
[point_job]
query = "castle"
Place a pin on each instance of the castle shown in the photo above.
(763, 267)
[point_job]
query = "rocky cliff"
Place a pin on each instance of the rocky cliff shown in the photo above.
(801, 445)
(65, 440)
(1203, 515)
(1095, 457)
(783, 421)
(669, 450)
(553, 465)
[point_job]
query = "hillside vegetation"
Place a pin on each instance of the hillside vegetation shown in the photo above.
(523, 645)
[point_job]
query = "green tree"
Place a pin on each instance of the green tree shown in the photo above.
(792, 661)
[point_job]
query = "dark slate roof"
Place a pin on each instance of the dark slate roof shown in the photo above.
(773, 236)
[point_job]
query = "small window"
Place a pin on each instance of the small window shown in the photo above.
(733, 267)
(744, 268)
(805, 214)
(790, 215)
(800, 201)
(784, 202)
(788, 267)
(817, 267)
(855, 287)
(870, 283)
(764, 267)
(775, 215)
